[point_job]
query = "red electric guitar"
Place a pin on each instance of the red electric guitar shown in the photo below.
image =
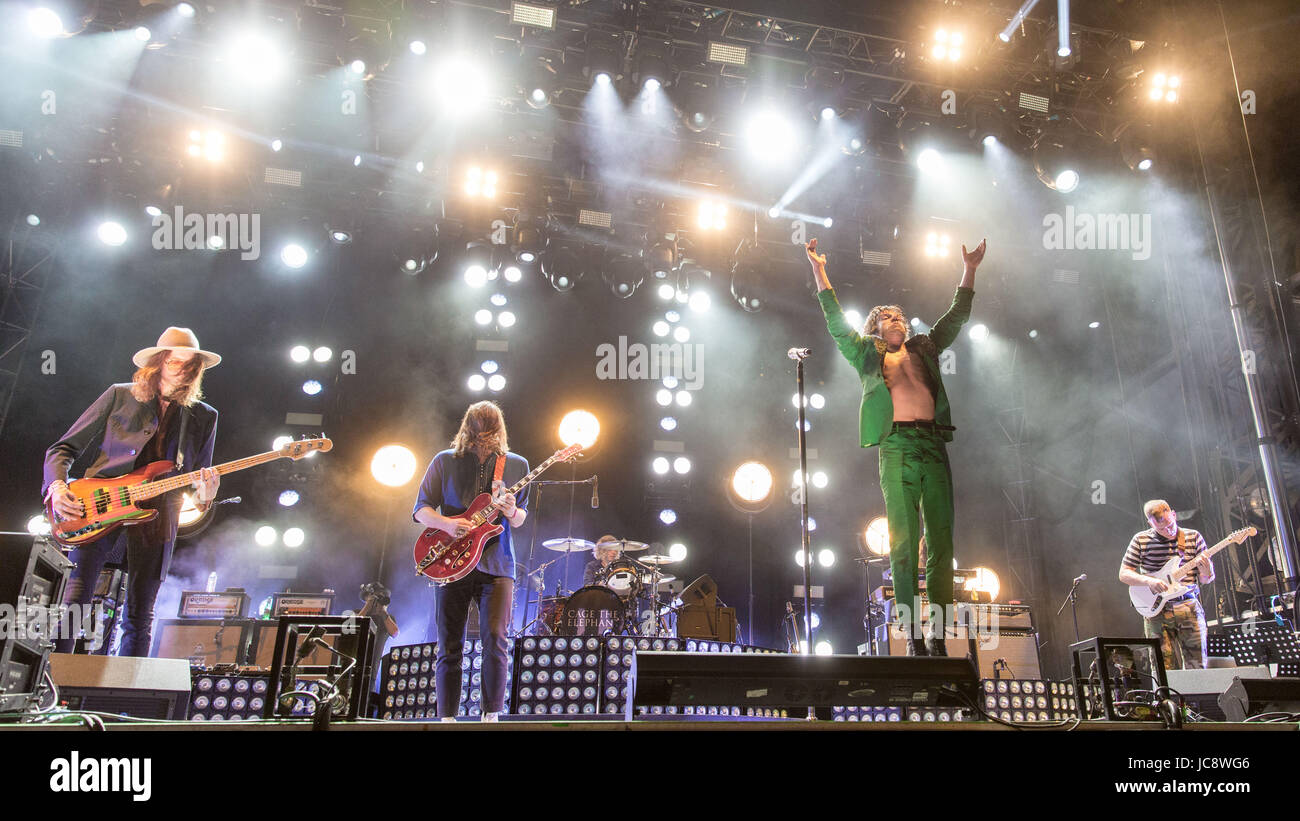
(111, 503)
(445, 558)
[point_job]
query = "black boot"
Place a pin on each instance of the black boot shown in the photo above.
(915, 647)
(934, 646)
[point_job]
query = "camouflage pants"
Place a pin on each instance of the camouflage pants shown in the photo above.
(1181, 630)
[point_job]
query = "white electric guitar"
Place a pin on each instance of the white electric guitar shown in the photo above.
(1176, 577)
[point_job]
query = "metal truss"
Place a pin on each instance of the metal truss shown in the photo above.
(27, 263)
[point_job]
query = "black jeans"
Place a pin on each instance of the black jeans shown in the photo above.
(143, 558)
(494, 595)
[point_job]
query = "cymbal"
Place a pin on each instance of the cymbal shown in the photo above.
(656, 559)
(563, 545)
(663, 580)
(623, 545)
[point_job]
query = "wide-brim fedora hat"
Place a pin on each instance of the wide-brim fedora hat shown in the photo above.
(176, 339)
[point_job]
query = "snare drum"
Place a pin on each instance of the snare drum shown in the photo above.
(592, 611)
(623, 576)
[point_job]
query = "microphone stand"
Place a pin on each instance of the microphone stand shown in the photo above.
(1071, 600)
(803, 515)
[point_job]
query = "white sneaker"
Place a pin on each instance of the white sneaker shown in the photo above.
(490, 718)
(447, 718)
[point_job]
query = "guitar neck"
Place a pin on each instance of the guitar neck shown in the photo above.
(171, 483)
(1208, 552)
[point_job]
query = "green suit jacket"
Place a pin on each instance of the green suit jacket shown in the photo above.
(866, 354)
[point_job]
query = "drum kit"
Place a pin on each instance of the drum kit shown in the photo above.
(631, 596)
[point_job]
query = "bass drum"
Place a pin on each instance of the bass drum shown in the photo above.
(623, 576)
(592, 611)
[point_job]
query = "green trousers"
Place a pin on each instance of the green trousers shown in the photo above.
(1181, 630)
(915, 478)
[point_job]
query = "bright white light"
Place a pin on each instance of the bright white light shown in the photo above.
(828, 222)
(288, 498)
(774, 211)
(819, 479)
(681, 333)
(979, 332)
(1144, 164)
(265, 536)
(39, 526)
(496, 383)
(1033, 334)
(356, 161)
(215, 242)
(664, 397)
(483, 316)
(825, 557)
(915, 322)
(293, 255)
(476, 276)
(712, 215)
(276, 145)
(111, 233)
(828, 113)
(683, 399)
(476, 382)
(816, 400)
(939, 52)
(752, 482)
(824, 648)
(294, 537)
(1094, 325)
(489, 366)
(322, 354)
(506, 319)
(677, 551)
(185, 9)
(579, 427)
(44, 23)
(853, 318)
(990, 140)
(280, 441)
(670, 382)
(798, 479)
(1063, 51)
(418, 47)
(699, 302)
(513, 273)
(652, 85)
(358, 67)
(668, 423)
(812, 525)
(666, 291)
(668, 516)
(393, 465)
(672, 316)
(255, 59)
(1159, 80)
(771, 137)
(1175, 81)
(1067, 181)
(929, 160)
(539, 95)
(682, 296)
(498, 300)
(603, 79)
(1171, 96)
(311, 387)
(799, 557)
(34, 220)
(143, 34)
(459, 86)
(1155, 93)
(661, 327)
(682, 465)
(660, 465)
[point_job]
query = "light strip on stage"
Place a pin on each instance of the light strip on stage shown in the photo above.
(595, 219)
(528, 15)
(11, 139)
(881, 258)
(283, 176)
(1033, 102)
(728, 54)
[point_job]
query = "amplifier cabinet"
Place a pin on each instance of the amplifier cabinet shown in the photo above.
(697, 621)
(262, 652)
(204, 642)
(138, 687)
(1004, 654)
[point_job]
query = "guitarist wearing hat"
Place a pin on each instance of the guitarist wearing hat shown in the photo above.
(156, 416)
(1180, 625)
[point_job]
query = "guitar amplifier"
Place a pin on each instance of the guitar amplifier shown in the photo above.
(204, 642)
(302, 604)
(197, 604)
(262, 651)
(697, 621)
(1004, 654)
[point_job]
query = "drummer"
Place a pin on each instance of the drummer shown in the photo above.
(604, 555)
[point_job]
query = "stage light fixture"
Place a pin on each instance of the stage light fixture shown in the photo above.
(280, 441)
(711, 215)
(111, 233)
(38, 525)
(1033, 333)
(664, 397)
(985, 581)
(930, 160)
(528, 14)
(481, 183)
(668, 516)
(476, 382)
(294, 537)
(483, 316)
(682, 333)
(750, 488)
(682, 465)
(216, 243)
(312, 387)
(1135, 147)
(255, 59)
(489, 366)
(393, 465)
(947, 45)
(937, 245)
(772, 139)
(824, 648)
(1165, 87)
(660, 327)
(322, 354)
(604, 63)
(143, 34)
(652, 68)
(276, 145)
(677, 551)
(979, 332)
(506, 319)
(1055, 158)
(876, 536)
(666, 292)
(499, 300)
(418, 48)
(683, 399)
(668, 423)
(1094, 325)
(288, 498)
(185, 9)
(700, 301)
(579, 427)
(34, 220)
(293, 255)
(624, 273)
(563, 264)
(820, 479)
(357, 67)
(265, 536)
(496, 383)
(45, 23)
(660, 465)
(459, 86)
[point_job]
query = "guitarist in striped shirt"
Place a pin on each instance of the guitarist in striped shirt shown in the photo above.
(1180, 626)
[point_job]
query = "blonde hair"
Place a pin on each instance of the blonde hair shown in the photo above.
(872, 326)
(1155, 507)
(146, 382)
(607, 538)
(483, 426)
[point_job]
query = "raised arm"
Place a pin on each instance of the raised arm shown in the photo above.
(946, 328)
(852, 345)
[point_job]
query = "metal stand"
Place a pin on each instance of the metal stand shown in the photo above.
(799, 356)
(1071, 600)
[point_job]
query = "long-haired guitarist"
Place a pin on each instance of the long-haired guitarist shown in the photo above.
(478, 461)
(1180, 626)
(156, 416)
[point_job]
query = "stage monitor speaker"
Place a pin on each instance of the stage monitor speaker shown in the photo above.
(703, 591)
(33, 575)
(205, 642)
(137, 687)
(791, 681)
(1201, 689)
(698, 621)
(1006, 654)
(1247, 697)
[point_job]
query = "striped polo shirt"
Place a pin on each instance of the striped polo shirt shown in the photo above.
(1149, 551)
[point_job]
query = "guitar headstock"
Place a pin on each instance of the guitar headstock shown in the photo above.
(568, 454)
(305, 447)
(1245, 533)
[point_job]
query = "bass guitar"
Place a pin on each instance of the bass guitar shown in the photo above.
(1177, 577)
(444, 558)
(112, 503)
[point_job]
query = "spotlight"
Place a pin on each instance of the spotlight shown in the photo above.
(624, 273)
(876, 536)
(668, 516)
(279, 442)
(1094, 325)
(265, 536)
(340, 237)
(506, 319)
(459, 86)
(660, 465)
(143, 34)
(750, 488)
(489, 366)
(697, 104)
(1033, 333)
(1164, 87)
(772, 138)
(44, 23)
(1055, 159)
(312, 387)
(824, 648)
(700, 301)
(294, 537)
(668, 423)
(496, 383)
(288, 498)
(293, 255)
(979, 332)
(682, 465)
(418, 48)
(111, 233)
(216, 243)
(563, 264)
(476, 382)
(986, 581)
(579, 427)
(664, 397)
(481, 183)
(660, 327)
(677, 551)
(820, 480)
(185, 9)
(357, 67)
(40, 526)
(929, 160)
(683, 399)
(652, 70)
(1135, 147)
(604, 64)
(276, 145)
(322, 354)
(393, 465)
(483, 316)
(937, 245)
(255, 59)
(34, 220)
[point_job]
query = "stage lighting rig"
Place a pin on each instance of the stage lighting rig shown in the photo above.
(1056, 158)
(1165, 87)
(211, 145)
(478, 261)
(528, 237)
(1135, 146)
(944, 45)
(563, 264)
(826, 93)
(540, 83)
(529, 14)
(711, 215)
(747, 268)
(696, 101)
(653, 66)
(481, 183)
(624, 273)
(604, 58)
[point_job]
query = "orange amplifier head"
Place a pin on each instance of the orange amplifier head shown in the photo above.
(302, 604)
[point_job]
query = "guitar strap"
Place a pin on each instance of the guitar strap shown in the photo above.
(500, 469)
(180, 440)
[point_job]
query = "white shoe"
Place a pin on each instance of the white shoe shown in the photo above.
(489, 718)
(446, 719)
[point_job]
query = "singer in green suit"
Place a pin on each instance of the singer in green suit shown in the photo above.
(905, 413)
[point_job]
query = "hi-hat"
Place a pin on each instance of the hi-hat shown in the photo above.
(567, 545)
(623, 545)
(656, 559)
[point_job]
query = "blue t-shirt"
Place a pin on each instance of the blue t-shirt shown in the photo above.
(451, 484)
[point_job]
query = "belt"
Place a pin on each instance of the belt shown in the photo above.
(1191, 594)
(923, 424)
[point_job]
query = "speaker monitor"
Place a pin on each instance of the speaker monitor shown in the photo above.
(1202, 688)
(140, 687)
(1247, 697)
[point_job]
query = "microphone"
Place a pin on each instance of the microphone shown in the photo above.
(308, 644)
(799, 353)
(1082, 577)
(595, 494)
(233, 500)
